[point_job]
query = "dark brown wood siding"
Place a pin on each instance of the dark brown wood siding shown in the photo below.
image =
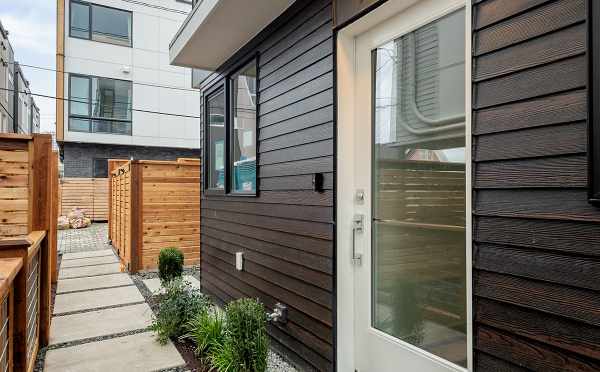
(536, 251)
(287, 231)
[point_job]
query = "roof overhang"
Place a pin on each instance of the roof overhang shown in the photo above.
(216, 29)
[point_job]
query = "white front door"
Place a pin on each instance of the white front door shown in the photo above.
(407, 224)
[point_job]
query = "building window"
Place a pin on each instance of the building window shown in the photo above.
(99, 105)
(215, 133)
(101, 23)
(230, 133)
(594, 102)
(243, 130)
(100, 168)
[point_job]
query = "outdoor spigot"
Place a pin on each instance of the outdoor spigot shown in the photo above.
(279, 314)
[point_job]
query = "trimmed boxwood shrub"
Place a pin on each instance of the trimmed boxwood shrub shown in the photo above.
(170, 264)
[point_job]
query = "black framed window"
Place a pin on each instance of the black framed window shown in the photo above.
(100, 23)
(242, 129)
(594, 102)
(100, 168)
(215, 152)
(100, 105)
(230, 132)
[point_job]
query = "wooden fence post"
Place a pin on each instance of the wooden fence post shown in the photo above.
(53, 233)
(137, 183)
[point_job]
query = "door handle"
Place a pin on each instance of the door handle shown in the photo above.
(358, 223)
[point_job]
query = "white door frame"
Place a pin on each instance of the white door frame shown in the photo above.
(346, 157)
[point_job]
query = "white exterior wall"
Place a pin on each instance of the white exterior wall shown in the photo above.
(148, 63)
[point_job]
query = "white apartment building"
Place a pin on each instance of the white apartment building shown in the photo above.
(122, 98)
(18, 111)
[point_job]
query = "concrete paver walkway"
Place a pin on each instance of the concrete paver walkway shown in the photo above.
(100, 320)
(138, 352)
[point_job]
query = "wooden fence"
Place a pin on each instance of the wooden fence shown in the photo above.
(155, 205)
(88, 194)
(420, 237)
(28, 196)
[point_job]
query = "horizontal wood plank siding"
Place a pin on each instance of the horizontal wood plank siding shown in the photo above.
(287, 231)
(536, 251)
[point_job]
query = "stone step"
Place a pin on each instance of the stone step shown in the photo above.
(99, 323)
(93, 282)
(74, 272)
(79, 301)
(139, 352)
(86, 254)
(89, 261)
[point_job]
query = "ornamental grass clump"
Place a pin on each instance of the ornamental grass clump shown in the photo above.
(177, 307)
(245, 344)
(207, 331)
(170, 264)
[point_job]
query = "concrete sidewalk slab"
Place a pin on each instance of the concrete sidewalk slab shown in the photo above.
(86, 254)
(93, 282)
(87, 300)
(99, 323)
(89, 261)
(154, 286)
(139, 352)
(74, 272)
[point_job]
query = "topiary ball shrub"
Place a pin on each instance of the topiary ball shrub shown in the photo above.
(170, 264)
(245, 345)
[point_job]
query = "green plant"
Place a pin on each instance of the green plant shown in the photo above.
(207, 331)
(245, 345)
(180, 303)
(170, 264)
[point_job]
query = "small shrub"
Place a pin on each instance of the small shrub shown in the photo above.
(176, 308)
(170, 264)
(245, 345)
(207, 331)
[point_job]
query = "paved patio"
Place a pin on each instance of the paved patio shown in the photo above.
(91, 238)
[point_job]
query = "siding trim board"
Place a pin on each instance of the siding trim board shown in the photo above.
(594, 101)
(536, 238)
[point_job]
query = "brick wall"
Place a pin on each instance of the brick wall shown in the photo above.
(79, 157)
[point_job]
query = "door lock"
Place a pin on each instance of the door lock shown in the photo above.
(358, 223)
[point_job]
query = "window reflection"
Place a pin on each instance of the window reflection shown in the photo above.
(243, 135)
(419, 270)
(216, 140)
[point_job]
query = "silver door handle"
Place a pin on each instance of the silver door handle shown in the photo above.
(357, 227)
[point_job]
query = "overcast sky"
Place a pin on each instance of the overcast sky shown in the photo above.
(32, 28)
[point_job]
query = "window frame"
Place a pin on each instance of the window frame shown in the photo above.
(225, 84)
(230, 129)
(89, 37)
(216, 89)
(593, 102)
(94, 167)
(91, 118)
